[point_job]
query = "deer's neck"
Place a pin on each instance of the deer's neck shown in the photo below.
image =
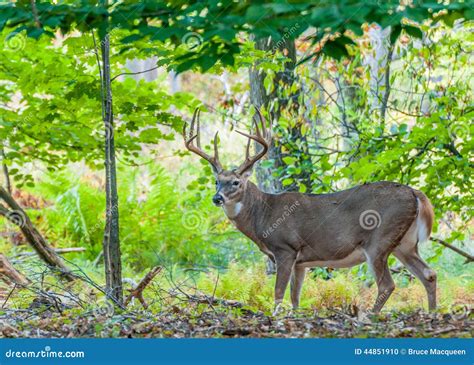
(247, 213)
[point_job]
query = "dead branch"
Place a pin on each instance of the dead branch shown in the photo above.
(19, 217)
(138, 291)
(469, 258)
(9, 274)
(57, 250)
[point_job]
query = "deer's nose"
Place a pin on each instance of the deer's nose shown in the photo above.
(218, 199)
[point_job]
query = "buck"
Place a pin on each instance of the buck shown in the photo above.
(297, 231)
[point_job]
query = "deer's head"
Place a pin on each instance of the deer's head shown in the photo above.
(230, 184)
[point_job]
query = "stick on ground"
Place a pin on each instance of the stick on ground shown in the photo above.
(9, 274)
(138, 291)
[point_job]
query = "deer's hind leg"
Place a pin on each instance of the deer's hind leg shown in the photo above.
(385, 283)
(414, 263)
(377, 259)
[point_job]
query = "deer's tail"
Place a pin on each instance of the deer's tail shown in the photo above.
(425, 217)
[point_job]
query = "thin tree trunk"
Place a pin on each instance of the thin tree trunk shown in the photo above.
(386, 94)
(6, 174)
(111, 243)
(19, 217)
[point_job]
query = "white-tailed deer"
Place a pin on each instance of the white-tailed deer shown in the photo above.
(366, 223)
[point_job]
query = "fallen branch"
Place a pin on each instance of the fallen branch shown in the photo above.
(57, 250)
(469, 258)
(9, 274)
(138, 291)
(18, 216)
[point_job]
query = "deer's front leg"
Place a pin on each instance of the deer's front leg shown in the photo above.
(285, 263)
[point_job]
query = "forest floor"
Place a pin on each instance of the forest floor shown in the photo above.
(228, 319)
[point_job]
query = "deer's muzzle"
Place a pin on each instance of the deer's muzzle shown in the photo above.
(218, 200)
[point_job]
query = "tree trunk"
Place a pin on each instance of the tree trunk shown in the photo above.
(6, 174)
(379, 62)
(275, 103)
(111, 243)
(259, 98)
(18, 216)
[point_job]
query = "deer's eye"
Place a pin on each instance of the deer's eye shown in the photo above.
(236, 183)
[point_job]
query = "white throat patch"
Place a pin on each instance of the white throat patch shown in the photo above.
(232, 210)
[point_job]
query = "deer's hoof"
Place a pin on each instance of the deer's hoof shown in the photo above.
(277, 310)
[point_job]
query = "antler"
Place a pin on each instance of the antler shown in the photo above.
(188, 142)
(262, 137)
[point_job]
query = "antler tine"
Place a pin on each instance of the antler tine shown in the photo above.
(216, 152)
(247, 150)
(263, 140)
(188, 142)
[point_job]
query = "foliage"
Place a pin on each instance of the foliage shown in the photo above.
(218, 24)
(65, 94)
(250, 285)
(161, 223)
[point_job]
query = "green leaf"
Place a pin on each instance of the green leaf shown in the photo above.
(395, 33)
(289, 160)
(413, 31)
